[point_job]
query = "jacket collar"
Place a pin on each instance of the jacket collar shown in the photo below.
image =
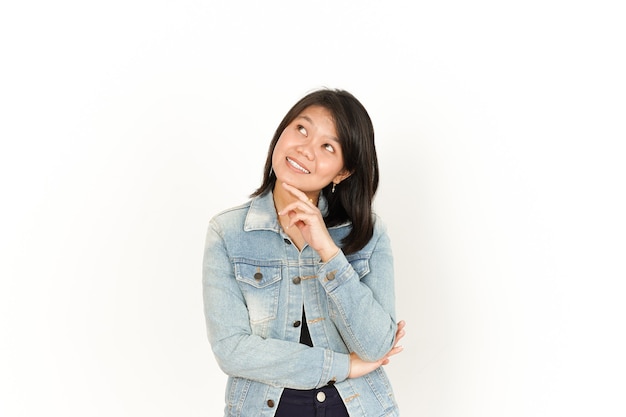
(262, 214)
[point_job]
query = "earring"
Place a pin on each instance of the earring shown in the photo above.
(333, 189)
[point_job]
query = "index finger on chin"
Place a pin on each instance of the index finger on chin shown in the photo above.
(296, 192)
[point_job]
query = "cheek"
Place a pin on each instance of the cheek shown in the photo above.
(332, 169)
(278, 150)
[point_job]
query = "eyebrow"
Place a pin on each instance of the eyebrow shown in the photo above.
(308, 119)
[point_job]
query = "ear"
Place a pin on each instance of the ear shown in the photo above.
(343, 174)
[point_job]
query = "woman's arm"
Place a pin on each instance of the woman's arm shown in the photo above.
(363, 309)
(364, 306)
(240, 353)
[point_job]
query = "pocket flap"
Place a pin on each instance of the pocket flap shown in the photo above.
(258, 276)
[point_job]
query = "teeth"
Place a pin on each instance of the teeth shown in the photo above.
(295, 165)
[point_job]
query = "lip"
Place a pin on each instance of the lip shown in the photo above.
(290, 163)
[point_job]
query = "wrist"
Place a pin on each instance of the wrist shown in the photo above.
(328, 253)
(352, 355)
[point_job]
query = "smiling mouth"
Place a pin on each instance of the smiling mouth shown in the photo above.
(297, 166)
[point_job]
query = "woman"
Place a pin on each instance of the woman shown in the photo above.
(298, 282)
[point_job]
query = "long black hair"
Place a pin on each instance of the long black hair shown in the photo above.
(352, 199)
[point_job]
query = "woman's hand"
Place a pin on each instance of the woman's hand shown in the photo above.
(308, 219)
(358, 367)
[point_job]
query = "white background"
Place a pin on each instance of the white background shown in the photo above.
(125, 125)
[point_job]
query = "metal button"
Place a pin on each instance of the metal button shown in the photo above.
(297, 280)
(270, 403)
(258, 276)
(331, 275)
(321, 397)
(297, 323)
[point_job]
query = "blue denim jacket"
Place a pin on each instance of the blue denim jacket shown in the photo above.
(255, 282)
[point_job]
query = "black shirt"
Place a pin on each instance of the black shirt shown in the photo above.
(305, 336)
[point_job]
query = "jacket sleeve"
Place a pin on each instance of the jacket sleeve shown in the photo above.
(363, 307)
(238, 352)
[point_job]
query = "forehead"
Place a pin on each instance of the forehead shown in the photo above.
(318, 116)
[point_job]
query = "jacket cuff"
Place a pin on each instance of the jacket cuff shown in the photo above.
(335, 272)
(336, 368)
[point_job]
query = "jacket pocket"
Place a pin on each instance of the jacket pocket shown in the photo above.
(260, 285)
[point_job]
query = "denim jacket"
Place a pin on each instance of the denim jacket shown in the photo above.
(255, 284)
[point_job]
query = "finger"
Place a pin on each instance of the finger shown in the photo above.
(399, 336)
(301, 219)
(298, 206)
(394, 351)
(400, 332)
(297, 219)
(297, 193)
(400, 328)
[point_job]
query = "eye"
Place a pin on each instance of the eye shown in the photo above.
(302, 130)
(329, 147)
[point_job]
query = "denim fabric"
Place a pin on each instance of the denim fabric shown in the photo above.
(255, 282)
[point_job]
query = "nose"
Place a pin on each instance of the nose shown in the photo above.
(307, 151)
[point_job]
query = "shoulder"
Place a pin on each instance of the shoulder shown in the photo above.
(380, 237)
(378, 242)
(233, 216)
(234, 211)
(380, 230)
(379, 224)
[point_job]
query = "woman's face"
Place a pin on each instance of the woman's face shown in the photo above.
(308, 155)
